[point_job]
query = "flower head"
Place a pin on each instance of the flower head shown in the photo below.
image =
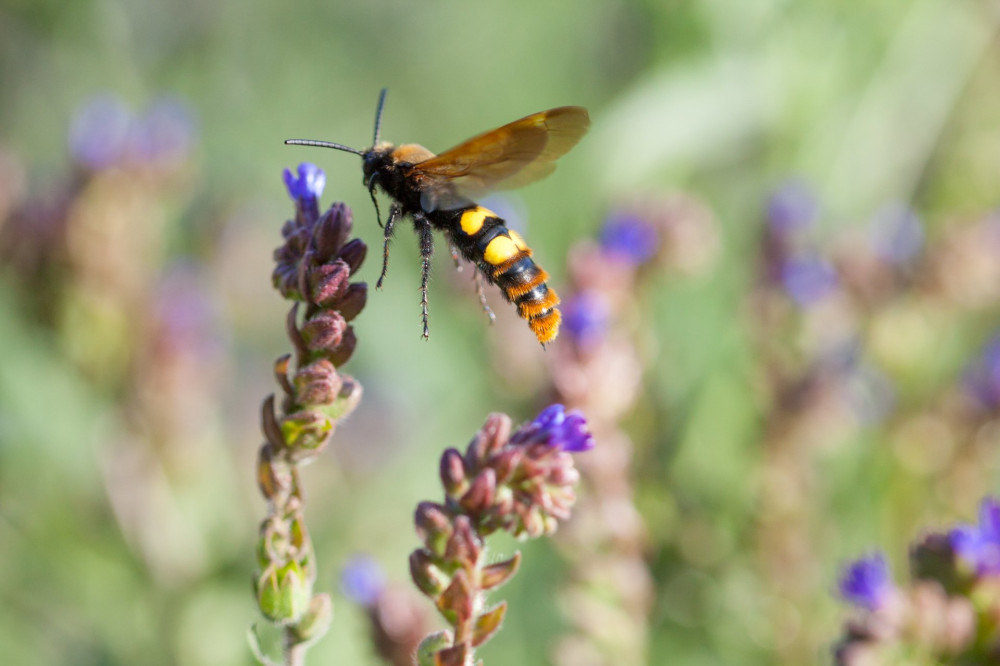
(307, 186)
(866, 582)
(362, 580)
(808, 279)
(629, 238)
(99, 133)
(557, 428)
(979, 545)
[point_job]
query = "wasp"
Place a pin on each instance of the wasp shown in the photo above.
(440, 191)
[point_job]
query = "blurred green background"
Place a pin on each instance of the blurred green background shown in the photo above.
(138, 324)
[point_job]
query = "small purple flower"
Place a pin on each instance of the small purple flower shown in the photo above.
(362, 580)
(629, 238)
(585, 318)
(808, 279)
(979, 545)
(982, 379)
(866, 582)
(557, 428)
(897, 234)
(307, 187)
(791, 207)
(99, 132)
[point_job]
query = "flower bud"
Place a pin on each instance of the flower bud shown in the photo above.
(353, 254)
(345, 348)
(317, 383)
(306, 430)
(453, 473)
(490, 438)
(427, 575)
(457, 602)
(328, 282)
(464, 545)
(324, 331)
(283, 593)
(353, 301)
(431, 646)
(273, 477)
(332, 229)
(433, 526)
(478, 499)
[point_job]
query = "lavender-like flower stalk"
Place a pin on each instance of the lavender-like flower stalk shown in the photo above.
(522, 483)
(949, 613)
(313, 269)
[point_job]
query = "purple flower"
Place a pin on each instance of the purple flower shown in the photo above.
(629, 238)
(557, 428)
(307, 187)
(99, 132)
(866, 582)
(585, 318)
(982, 379)
(792, 207)
(165, 132)
(979, 545)
(808, 279)
(897, 234)
(362, 580)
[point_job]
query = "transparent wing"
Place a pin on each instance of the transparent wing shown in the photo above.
(511, 156)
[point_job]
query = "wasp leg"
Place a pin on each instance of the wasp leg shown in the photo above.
(426, 251)
(477, 278)
(371, 193)
(394, 214)
(454, 257)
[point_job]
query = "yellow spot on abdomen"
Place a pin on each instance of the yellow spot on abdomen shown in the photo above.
(472, 220)
(500, 250)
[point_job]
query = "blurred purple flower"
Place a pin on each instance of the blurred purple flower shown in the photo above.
(585, 318)
(185, 311)
(792, 207)
(808, 279)
(897, 234)
(557, 428)
(99, 132)
(630, 238)
(165, 132)
(865, 582)
(362, 580)
(979, 545)
(982, 378)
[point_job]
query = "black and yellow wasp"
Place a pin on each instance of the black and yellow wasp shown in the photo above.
(439, 192)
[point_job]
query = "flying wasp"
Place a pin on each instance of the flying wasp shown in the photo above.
(439, 192)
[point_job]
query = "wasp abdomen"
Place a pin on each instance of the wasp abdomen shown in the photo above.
(505, 259)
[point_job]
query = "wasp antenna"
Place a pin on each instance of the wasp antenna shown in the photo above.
(378, 115)
(323, 144)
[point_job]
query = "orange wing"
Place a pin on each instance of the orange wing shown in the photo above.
(511, 156)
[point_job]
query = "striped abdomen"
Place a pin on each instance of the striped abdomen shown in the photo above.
(505, 259)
